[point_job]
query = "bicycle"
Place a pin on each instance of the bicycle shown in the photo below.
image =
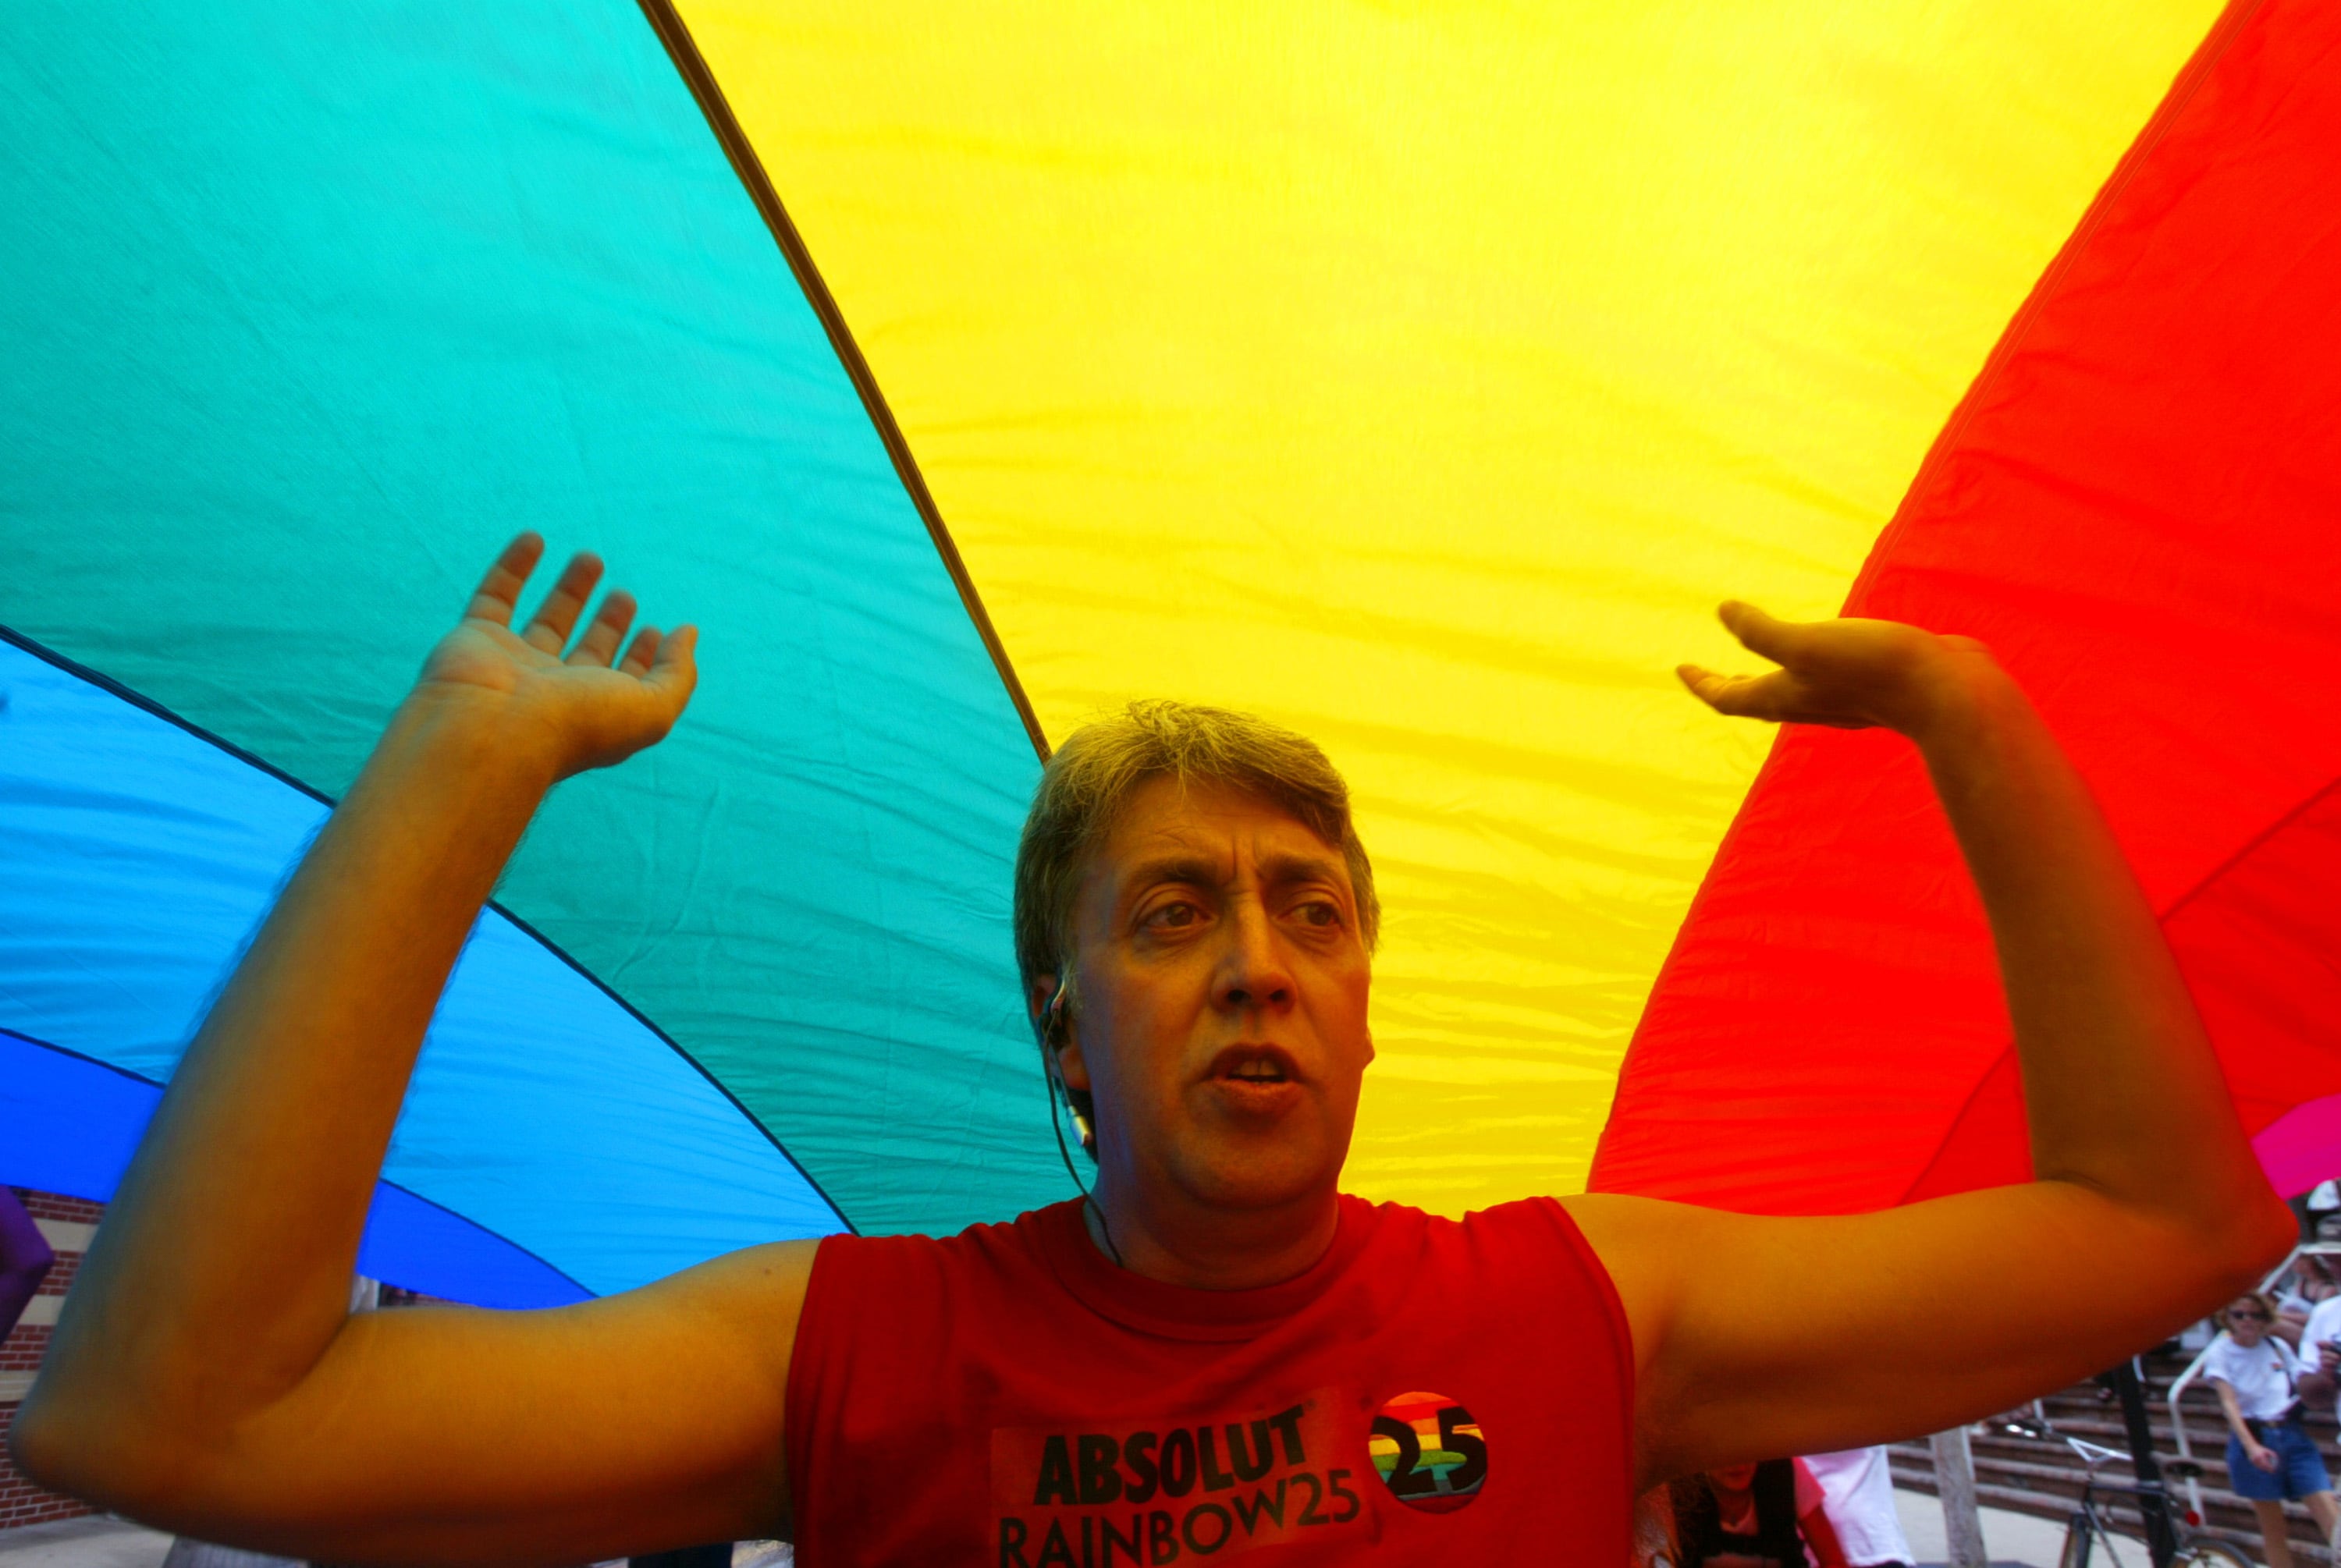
(2088, 1529)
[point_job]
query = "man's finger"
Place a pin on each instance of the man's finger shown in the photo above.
(607, 630)
(1760, 631)
(1705, 684)
(557, 616)
(498, 595)
(644, 651)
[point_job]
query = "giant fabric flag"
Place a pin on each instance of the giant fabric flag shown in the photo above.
(1419, 377)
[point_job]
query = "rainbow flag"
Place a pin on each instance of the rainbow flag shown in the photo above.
(1417, 376)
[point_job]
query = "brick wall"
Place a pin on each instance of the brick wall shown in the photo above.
(66, 1222)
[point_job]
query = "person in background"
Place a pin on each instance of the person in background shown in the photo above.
(1858, 1496)
(1654, 1530)
(1766, 1515)
(2320, 1346)
(25, 1259)
(2270, 1458)
(2319, 1203)
(2309, 1283)
(2319, 1340)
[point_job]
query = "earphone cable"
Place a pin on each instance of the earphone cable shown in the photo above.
(1057, 1125)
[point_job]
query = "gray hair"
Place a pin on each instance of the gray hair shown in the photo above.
(1093, 774)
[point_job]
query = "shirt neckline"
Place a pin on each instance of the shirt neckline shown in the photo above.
(1182, 1312)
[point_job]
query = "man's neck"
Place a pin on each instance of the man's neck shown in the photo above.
(1206, 1249)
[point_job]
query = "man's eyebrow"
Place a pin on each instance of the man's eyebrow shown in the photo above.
(1164, 868)
(1293, 867)
(1203, 873)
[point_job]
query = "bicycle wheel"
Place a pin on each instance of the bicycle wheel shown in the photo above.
(2211, 1554)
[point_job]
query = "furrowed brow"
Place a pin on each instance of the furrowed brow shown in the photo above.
(1164, 868)
(1286, 868)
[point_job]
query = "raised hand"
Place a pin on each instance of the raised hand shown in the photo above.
(590, 708)
(1850, 674)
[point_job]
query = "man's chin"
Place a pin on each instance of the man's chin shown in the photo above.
(1251, 1174)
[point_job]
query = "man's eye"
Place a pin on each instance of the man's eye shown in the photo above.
(1172, 916)
(1320, 913)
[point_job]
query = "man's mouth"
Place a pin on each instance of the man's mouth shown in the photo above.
(1255, 1066)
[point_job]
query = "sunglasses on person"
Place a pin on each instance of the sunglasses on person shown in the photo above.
(2254, 1316)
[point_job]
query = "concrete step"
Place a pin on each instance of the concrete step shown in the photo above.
(2048, 1489)
(2101, 1422)
(2245, 1538)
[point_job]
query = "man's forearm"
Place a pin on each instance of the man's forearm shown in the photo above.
(2122, 1091)
(221, 1271)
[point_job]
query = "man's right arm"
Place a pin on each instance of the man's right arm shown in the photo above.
(206, 1375)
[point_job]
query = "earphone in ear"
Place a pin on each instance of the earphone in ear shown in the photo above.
(1051, 1027)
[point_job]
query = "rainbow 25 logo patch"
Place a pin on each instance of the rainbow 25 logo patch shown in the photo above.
(1430, 1452)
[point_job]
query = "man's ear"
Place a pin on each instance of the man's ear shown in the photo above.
(1065, 1044)
(1070, 1064)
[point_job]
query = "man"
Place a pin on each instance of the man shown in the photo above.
(1216, 1350)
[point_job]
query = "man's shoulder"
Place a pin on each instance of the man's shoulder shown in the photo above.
(1002, 1250)
(1512, 1211)
(1538, 1233)
(983, 1241)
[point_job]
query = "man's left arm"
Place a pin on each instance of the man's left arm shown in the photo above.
(1762, 1336)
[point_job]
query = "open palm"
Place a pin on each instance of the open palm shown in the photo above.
(1850, 673)
(591, 706)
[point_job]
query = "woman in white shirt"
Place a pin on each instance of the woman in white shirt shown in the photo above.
(2269, 1458)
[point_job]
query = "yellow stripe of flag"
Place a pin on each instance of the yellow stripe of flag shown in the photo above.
(1420, 376)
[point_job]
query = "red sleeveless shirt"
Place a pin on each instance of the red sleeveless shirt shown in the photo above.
(1432, 1391)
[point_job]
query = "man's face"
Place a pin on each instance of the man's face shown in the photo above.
(1223, 1000)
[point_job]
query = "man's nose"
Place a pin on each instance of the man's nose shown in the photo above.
(1253, 972)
